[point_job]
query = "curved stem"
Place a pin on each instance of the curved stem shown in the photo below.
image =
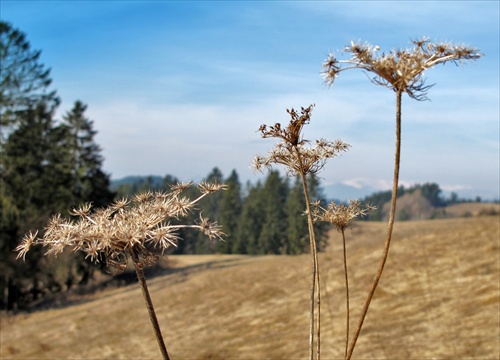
(318, 334)
(389, 227)
(346, 295)
(149, 303)
(315, 270)
(314, 278)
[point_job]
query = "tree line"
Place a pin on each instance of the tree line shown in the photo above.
(430, 191)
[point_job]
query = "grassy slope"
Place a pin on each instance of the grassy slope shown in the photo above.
(439, 298)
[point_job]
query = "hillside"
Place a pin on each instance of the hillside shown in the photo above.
(439, 298)
(415, 206)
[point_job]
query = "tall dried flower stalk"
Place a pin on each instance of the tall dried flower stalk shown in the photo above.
(403, 72)
(138, 228)
(341, 216)
(300, 159)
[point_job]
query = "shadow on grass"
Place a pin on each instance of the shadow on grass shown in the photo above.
(126, 279)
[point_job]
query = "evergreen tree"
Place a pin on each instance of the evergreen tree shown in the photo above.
(37, 173)
(297, 231)
(91, 184)
(26, 108)
(211, 204)
(45, 168)
(24, 81)
(168, 181)
(320, 228)
(230, 211)
(432, 192)
(209, 207)
(272, 238)
(35, 183)
(250, 222)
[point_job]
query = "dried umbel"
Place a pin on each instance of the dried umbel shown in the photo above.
(341, 216)
(139, 225)
(138, 228)
(401, 70)
(293, 151)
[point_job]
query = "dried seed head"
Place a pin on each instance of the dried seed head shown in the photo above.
(341, 215)
(140, 225)
(290, 134)
(292, 150)
(401, 70)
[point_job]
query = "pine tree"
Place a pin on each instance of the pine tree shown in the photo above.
(250, 222)
(37, 173)
(272, 238)
(26, 107)
(230, 211)
(209, 206)
(320, 228)
(24, 81)
(168, 181)
(45, 168)
(91, 184)
(297, 231)
(35, 183)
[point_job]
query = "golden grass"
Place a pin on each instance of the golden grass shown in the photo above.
(438, 298)
(472, 209)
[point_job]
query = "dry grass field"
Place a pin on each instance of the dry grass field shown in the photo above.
(439, 298)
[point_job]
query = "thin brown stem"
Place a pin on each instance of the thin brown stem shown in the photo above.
(318, 334)
(389, 227)
(315, 270)
(149, 303)
(346, 296)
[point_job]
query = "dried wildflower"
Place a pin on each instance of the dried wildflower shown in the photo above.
(136, 228)
(341, 215)
(401, 70)
(293, 151)
(128, 225)
(301, 159)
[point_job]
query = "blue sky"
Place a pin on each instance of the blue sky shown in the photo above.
(180, 87)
